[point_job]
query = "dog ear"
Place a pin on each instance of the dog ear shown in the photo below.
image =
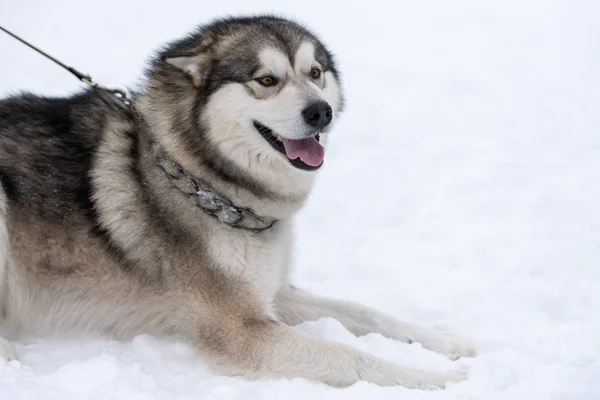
(196, 62)
(195, 66)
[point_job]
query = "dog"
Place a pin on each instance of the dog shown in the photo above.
(174, 215)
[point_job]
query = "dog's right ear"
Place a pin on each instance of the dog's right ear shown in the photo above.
(196, 62)
(195, 66)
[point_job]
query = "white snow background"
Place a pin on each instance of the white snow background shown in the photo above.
(461, 191)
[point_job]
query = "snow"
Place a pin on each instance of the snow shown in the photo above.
(461, 191)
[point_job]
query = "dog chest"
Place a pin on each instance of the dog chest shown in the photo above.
(262, 260)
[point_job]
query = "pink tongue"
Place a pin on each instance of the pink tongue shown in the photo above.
(309, 151)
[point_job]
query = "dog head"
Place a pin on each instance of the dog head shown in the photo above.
(261, 92)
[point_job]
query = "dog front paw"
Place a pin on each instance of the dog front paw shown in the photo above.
(441, 381)
(384, 373)
(422, 380)
(450, 345)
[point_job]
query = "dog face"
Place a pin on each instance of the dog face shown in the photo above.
(268, 92)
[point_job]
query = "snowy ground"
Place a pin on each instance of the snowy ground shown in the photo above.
(462, 191)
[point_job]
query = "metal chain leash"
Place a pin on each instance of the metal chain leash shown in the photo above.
(118, 93)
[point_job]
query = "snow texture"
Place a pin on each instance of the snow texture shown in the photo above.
(461, 191)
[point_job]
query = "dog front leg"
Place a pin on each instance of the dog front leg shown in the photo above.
(269, 349)
(295, 306)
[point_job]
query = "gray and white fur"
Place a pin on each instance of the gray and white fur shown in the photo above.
(98, 238)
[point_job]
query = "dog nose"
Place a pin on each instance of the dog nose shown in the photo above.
(318, 114)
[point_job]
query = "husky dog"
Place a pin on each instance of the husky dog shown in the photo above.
(174, 215)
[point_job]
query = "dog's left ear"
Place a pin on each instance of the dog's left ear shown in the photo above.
(196, 62)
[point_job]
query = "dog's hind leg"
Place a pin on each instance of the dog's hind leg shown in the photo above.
(6, 350)
(295, 306)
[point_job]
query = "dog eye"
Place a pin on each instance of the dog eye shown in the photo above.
(315, 73)
(267, 80)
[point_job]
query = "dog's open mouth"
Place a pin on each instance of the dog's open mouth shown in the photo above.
(306, 154)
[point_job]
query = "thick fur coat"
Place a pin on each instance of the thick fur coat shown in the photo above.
(97, 239)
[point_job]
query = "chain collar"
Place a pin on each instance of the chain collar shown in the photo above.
(220, 208)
